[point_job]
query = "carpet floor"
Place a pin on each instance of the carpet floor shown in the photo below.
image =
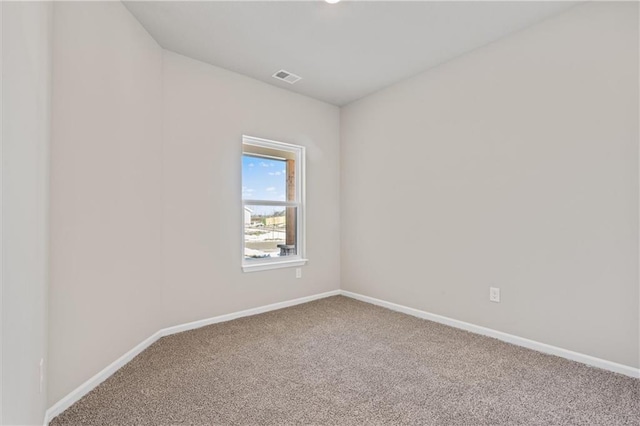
(338, 361)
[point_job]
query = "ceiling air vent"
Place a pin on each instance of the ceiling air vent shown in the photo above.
(286, 76)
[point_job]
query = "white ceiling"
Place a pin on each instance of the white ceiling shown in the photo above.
(343, 51)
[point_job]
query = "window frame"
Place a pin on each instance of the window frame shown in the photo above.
(299, 258)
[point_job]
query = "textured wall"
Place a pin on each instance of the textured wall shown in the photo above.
(106, 190)
(26, 123)
(206, 112)
(513, 166)
(146, 184)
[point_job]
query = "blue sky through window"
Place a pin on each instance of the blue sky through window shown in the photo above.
(263, 178)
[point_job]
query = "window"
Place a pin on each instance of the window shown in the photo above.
(272, 204)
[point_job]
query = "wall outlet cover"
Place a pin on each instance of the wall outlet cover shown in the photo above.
(494, 294)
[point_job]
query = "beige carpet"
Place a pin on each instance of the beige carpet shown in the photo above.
(338, 361)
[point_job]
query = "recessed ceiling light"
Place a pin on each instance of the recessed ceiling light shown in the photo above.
(332, 1)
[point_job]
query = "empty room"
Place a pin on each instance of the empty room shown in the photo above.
(320, 212)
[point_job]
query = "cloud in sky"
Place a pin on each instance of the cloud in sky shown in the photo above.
(247, 192)
(263, 179)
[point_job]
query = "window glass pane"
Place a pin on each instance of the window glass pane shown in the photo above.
(264, 178)
(269, 231)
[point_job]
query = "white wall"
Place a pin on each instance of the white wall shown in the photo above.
(146, 183)
(26, 121)
(506, 159)
(206, 112)
(106, 174)
(513, 166)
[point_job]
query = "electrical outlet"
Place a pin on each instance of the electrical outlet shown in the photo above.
(494, 294)
(298, 272)
(41, 375)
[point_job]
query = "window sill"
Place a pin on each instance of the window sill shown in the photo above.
(274, 265)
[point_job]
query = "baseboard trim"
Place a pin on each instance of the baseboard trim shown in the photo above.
(505, 337)
(94, 381)
(255, 311)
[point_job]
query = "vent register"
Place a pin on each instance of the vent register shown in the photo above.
(286, 76)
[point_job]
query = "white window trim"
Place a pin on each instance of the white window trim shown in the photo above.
(289, 261)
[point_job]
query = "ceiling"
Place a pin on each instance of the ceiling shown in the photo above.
(343, 51)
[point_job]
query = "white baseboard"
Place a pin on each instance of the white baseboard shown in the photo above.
(90, 384)
(255, 311)
(505, 337)
(94, 381)
(87, 386)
